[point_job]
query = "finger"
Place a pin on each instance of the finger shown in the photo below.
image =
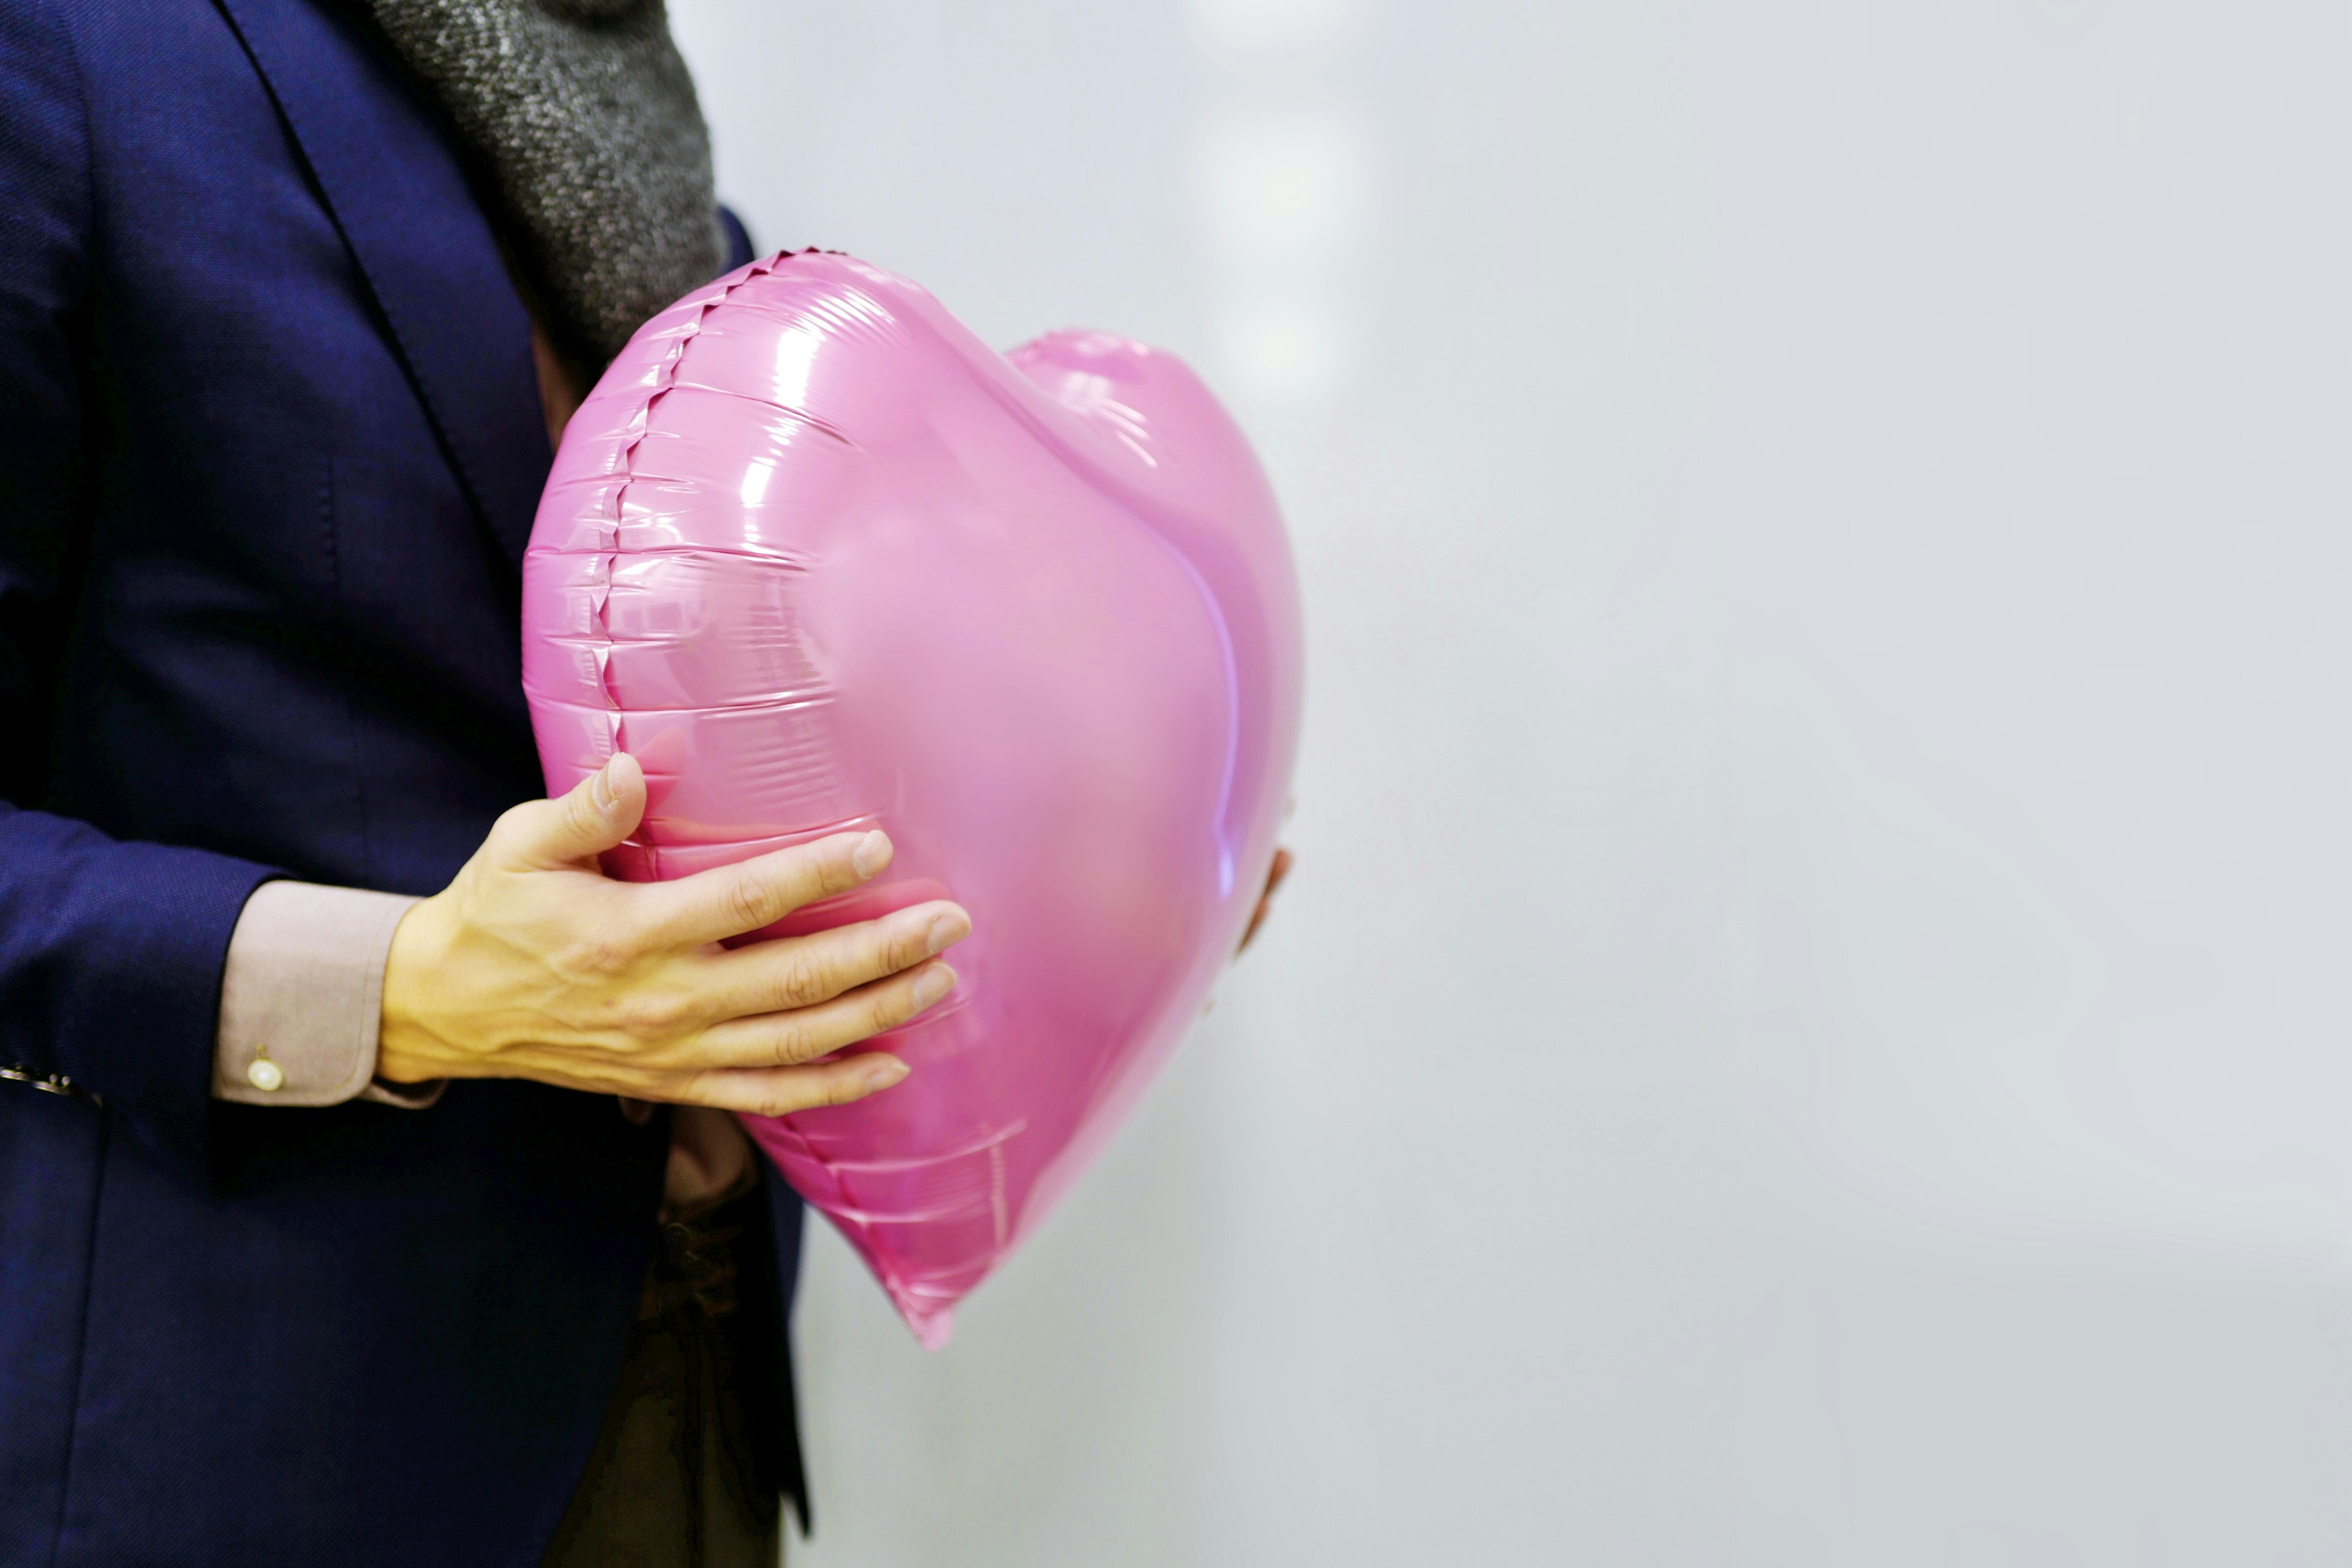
(780, 1092)
(1278, 872)
(796, 971)
(593, 816)
(788, 1039)
(711, 906)
(1273, 880)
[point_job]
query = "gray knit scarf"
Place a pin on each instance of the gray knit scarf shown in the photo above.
(581, 118)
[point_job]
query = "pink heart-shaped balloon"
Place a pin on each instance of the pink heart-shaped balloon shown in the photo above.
(821, 560)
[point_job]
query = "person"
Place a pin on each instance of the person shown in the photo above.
(348, 1102)
(368, 1192)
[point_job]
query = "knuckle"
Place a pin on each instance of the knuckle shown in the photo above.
(601, 954)
(793, 1045)
(512, 831)
(826, 868)
(801, 979)
(777, 1102)
(903, 948)
(841, 1087)
(748, 902)
(837, 873)
(651, 1016)
(579, 815)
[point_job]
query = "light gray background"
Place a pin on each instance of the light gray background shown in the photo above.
(1811, 1027)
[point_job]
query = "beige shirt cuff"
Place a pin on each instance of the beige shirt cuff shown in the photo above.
(302, 998)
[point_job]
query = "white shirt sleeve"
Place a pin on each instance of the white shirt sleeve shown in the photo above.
(302, 999)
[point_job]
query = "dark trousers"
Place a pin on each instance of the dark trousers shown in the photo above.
(686, 1473)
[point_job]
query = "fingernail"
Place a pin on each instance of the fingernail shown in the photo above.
(873, 853)
(600, 788)
(948, 930)
(933, 984)
(886, 1071)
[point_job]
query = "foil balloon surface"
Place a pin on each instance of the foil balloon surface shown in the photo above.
(823, 561)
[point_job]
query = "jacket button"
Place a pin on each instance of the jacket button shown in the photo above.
(264, 1074)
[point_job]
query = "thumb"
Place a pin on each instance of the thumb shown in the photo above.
(596, 814)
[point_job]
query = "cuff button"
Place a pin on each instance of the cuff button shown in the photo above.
(264, 1074)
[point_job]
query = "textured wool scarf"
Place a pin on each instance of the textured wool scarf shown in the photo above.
(581, 117)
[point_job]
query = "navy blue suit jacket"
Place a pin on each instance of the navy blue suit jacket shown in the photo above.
(270, 442)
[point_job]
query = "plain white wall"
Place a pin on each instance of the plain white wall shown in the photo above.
(1814, 1022)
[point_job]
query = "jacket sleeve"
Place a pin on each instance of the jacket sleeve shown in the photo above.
(111, 952)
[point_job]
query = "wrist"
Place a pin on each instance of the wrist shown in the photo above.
(409, 1048)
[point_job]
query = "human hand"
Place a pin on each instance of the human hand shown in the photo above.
(1273, 876)
(532, 963)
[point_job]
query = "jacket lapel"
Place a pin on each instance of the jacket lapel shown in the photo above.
(394, 187)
